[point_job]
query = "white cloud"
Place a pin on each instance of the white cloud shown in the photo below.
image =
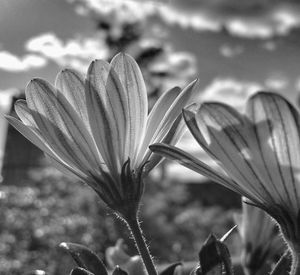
(230, 91)
(279, 20)
(76, 53)
(277, 82)
(250, 28)
(250, 19)
(12, 63)
(200, 21)
(180, 67)
(128, 10)
(6, 99)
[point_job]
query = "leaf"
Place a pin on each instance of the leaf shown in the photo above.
(85, 258)
(80, 271)
(170, 270)
(214, 258)
(283, 265)
(119, 271)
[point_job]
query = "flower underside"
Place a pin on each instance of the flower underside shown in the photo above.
(97, 128)
(258, 153)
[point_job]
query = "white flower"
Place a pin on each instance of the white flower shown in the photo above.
(98, 129)
(258, 153)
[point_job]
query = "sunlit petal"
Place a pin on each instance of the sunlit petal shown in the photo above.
(24, 113)
(70, 84)
(60, 124)
(175, 109)
(29, 133)
(66, 169)
(194, 164)
(175, 133)
(32, 132)
(117, 106)
(227, 136)
(156, 116)
(101, 121)
(134, 85)
(277, 131)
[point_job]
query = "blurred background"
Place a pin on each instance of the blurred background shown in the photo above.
(235, 48)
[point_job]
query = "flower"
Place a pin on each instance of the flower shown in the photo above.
(262, 244)
(98, 129)
(258, 153)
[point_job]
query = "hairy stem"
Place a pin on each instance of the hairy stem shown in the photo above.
(295, 269)
(141, 245)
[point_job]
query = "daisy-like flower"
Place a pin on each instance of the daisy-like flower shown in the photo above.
(262, 243)
(98, 129)
(258, 154)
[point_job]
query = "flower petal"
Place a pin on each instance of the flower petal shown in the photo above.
(184, 98)
(29, 133)
(189, 115)
(33, 134)
(24, 113)
(225, 135)
(175, 133)
(277, 125)
(60, 124)
(135, 89)
(155, 117)
(56, 159)
(101, 119)
(117, 106)
(66, 169)
(71, 85)
(187, 160)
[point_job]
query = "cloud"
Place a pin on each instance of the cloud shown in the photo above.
(76, 53)
(277, 82)
(128, 10)
(277, 22)
(178, 67)
(244, 18)
(200, 21)
(268, 21)
(230, 51)
(12, 63)
(230, 91)
(6, 99)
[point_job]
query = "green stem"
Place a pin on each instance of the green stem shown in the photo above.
(140, 243)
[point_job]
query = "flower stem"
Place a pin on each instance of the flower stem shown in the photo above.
(295, 269)
(140, 243)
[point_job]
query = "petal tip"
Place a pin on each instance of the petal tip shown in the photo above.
(188, 113)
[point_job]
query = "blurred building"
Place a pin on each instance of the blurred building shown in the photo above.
(19, 154)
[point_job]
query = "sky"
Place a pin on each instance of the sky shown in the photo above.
(240, 46)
